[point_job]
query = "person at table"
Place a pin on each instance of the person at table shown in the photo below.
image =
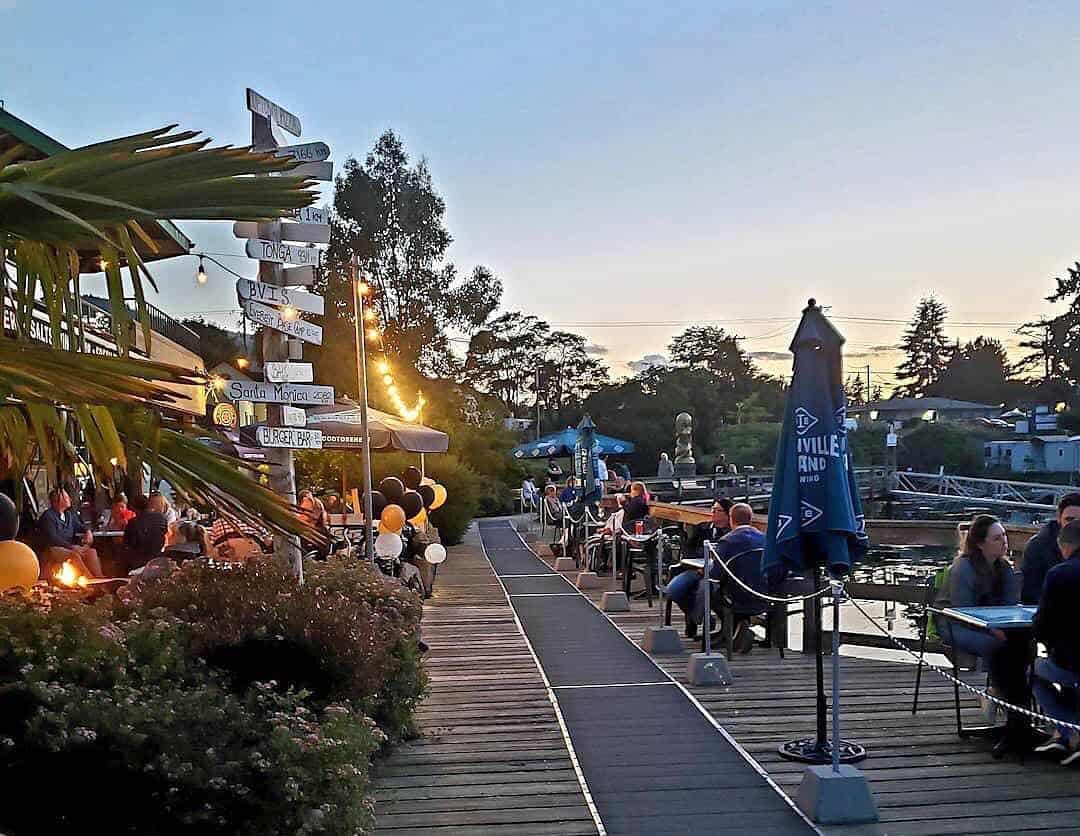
(568, 495)
(665, 468)
(717, 526)
(1057, 677)
(66, 538)
(602, 471)
(981, 576)
(635, 507)
(553, 508)
(147, 533)
(1042, 551)
(313, 512)
(334, 505)
(554, 472)
(120, 515)
(159, 501)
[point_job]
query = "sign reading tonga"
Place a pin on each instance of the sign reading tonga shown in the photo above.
(291, 437)
(280, 253)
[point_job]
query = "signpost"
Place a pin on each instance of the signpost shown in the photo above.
(265, 108)
(309, 332)
(289, 437)
(316, 171)
(308, 233)
(304, 276)
(273, 295)
(278, 253)
(291, 393)
(311, 215)
(308, 152)
(289, 373)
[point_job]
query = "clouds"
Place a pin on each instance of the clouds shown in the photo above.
(777, 356)
(592, 348)
(871, 351)
(649, 361)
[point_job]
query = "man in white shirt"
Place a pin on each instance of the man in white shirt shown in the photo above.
(601, 470)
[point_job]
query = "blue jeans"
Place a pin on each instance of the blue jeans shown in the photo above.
(1060, 704)
(683, 588)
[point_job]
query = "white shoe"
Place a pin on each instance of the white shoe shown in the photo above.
(1052, 746)
(1071, 758)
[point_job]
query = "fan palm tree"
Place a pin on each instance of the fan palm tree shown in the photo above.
(85, 209)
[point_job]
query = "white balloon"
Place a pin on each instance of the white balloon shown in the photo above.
(435, 553)
(388, 544)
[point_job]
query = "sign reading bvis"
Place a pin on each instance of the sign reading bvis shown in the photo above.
(289, 373)
(306, 331)
(275, 113)
(308, 152)
(280, 253)
(289, 437)
(308, 233)
(311, 215)
(273, 295)
(291, 393)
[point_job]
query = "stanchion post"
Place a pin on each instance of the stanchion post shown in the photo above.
(707, 615)
(837, 591)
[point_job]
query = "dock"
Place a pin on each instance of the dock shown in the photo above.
(494, 757)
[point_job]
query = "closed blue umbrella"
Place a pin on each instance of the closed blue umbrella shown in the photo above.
(815, 514)
(587, 461)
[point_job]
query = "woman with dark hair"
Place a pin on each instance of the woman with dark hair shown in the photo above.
(981, 576)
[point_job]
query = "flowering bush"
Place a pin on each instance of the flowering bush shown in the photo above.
(347, 635)
(115, 721)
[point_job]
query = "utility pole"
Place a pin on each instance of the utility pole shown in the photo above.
(359, 292)
(537, 403)
(868, 387)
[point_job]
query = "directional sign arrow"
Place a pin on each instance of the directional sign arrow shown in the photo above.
(289, 373)
(290, 393)
(311, 215)
(308, 152)
(293, 416)
(276, 113)
(308, 233)
(289, 437)
(306, 331)
(316, 171)
(304, 276)
(280, 253)
(273, 295)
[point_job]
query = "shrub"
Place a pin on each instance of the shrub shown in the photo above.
(117, 715)
(463, 491)
(348, 634)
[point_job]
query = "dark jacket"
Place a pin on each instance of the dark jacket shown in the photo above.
(61, 529)
(635, 508)
(742, 551)
(1040, 555)
(1056, 622)
(145, 536)
(695, 545)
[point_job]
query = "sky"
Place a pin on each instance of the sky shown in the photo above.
(628, 169)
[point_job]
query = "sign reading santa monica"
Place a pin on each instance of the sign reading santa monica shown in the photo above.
(813, 452)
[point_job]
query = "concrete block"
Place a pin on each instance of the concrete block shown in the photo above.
(565, 564)
(589, 580)
(842, 797)
(662, 641)
(708, 669)
(614, 602)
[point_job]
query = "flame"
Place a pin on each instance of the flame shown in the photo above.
(68, 575)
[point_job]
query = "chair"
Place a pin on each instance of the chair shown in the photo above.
(957, 659)
(636, 553)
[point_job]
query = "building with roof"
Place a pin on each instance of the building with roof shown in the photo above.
(1034, 454)
(927, 409)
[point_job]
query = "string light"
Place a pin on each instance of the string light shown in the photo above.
(200, 277)
(410, 414)
(289, 313)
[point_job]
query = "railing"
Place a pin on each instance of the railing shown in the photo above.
(750, 486)
(173, 330)
(1019, 495)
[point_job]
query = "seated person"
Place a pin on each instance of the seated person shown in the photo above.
(684, 589)
(568, 495)
(233, 540)
(981, 576)
(1057, 677)
(313, 512)
(147, 533)
(1042, 552)
(635, 507)
(162, 506)
(120, 514)
(189, 533)
(552, 508)
(530, 496)
(66, 538)
(333, 504)
(554, 472)
(712, 530)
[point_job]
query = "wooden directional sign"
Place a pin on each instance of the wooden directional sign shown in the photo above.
(293, 416)
(275, 113)
(311, 215)
(289, 437)
(308, 233)
(308, 152)
(273, 295)
(271, 318)
(298, 275)
(275, 251)
(289, 373)
(316, 171)
(290, 393)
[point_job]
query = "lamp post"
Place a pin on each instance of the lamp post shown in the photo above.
(361, 382)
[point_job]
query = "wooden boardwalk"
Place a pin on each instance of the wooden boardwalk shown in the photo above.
(492, 758)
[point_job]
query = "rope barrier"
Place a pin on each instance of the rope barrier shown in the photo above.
(795, 599)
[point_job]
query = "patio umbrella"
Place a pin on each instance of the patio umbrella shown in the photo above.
(563, 443)
(341, 428)
(587, 461)
(815, 515)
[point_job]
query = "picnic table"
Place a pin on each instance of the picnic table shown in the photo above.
(1006, 617)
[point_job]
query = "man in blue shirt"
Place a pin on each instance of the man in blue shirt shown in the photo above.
(569, 493)
(66, 538)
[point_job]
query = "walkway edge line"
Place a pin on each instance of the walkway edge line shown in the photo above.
(757, 767)
(600, 829)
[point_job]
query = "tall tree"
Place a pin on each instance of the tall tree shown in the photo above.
(710, 347)
(389, 215)
(568, 374)
(1055, 342)
(926, 348)
(855, 389)
(504, 355)
(216, 345)
(978, 371)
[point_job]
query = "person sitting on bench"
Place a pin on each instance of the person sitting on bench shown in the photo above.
(1057, 677)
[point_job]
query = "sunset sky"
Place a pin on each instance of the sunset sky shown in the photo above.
(631, 168)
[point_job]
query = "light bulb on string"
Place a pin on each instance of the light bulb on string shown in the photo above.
(388, 380)
(373, 334)
(384, 367)
(363, 288)
(289, 313)
(369, 315)
(200, 276)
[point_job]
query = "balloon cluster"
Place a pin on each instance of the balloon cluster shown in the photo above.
(406, 499)
(18, 564)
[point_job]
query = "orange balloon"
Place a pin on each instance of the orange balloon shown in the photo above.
(18, 565)
(420, 518)
(440, 496)
(392, 518)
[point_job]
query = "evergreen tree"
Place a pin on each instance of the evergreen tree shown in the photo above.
(927, 350)
(855, 389)
(1055, 342)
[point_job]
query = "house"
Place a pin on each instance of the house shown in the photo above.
(927, 409)
(1040, 454)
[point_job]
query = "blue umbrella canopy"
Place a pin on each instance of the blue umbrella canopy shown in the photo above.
(815, 514)
(563, 443)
